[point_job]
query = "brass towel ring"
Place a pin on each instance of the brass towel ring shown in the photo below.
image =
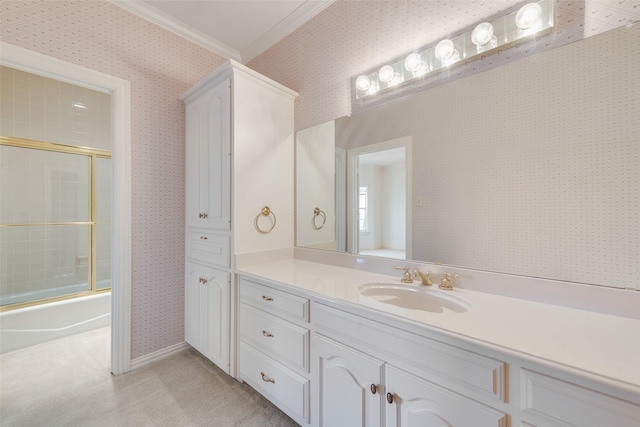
(316, 213)
(265, 212)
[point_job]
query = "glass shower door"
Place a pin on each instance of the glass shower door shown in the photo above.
(45, 224)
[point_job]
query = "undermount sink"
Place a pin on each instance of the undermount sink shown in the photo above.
(414, 297)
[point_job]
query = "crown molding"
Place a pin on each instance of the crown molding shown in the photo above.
(288, 25)
(171, 24)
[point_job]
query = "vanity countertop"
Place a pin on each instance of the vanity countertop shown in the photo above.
(601, 344)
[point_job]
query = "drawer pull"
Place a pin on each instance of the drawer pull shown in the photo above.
(203, 280)
(374, 389)
(389, 397)
(203, 215)
(266, 298)
(204, 238)
(267, 334)
(266, 379)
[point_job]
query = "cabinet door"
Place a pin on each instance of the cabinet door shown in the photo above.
(208, 159)
(346, 386)
(207, 312)
(413, 402)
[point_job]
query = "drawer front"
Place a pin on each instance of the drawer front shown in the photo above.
(552, 401)
(281, 339)
(276, 302)
(208, 248)
(448, 365)
(286, 389)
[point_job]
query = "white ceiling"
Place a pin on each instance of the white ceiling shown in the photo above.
(235, 29)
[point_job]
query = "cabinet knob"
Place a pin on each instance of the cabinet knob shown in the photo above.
(266, 298)
(203, 215)
(374, 389)
(266, 379)
(389, 397)
(204, 238)
(267, 334)
(203, 280)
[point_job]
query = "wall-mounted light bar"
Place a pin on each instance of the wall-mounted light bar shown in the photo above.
(532, 18)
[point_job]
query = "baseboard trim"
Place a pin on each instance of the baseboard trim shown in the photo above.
(157, 355)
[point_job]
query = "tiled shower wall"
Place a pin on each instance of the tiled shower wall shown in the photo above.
(36, 107)
(43, 187)
(160, 66)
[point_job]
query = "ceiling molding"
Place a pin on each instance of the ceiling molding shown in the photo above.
(285, 27)
(165, 21)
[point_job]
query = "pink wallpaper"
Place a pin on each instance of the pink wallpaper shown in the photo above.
(160, 67)
(353, 37)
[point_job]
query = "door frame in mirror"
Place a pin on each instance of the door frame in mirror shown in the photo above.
(352, 190)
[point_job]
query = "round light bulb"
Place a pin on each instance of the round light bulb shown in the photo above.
(413, 62)
(445, 50)
(363, 82)
(386, 74)
(482, 34)
(528, 15)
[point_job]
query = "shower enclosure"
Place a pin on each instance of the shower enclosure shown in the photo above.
(55, 190)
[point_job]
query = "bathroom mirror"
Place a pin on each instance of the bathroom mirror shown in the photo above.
(530, 168)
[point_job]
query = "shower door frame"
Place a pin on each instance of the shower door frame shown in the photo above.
(120, 91)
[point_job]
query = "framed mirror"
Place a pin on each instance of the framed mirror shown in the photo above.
(530, 168)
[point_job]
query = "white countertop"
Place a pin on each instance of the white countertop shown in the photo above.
(600, 344)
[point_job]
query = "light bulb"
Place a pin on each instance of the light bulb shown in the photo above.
(445, 50)
(413, 62)
(363, 82)
(528, 15)
(482, 34)
(386, 74)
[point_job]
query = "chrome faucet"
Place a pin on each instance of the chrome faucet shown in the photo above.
(424, 277)
(445, 283)
(406, 276)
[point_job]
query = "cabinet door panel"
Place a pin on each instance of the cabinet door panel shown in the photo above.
(208, 160)
(207, 312)
(343, 386)
(418, 403)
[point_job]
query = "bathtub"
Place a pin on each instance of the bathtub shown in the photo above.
(28, 326)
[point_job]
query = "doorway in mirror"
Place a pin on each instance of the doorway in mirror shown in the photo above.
(379, 198)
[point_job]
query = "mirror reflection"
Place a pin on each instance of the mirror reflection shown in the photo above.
(529, 169)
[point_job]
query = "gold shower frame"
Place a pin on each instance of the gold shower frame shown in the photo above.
(92, 154)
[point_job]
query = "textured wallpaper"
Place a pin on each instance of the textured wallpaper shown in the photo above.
(352, 37)
(160, 67)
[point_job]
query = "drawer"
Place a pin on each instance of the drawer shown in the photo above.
(552, 401)
(208, 248)
(286, 389)
(447, 365)
(276, 302)
(280, 339)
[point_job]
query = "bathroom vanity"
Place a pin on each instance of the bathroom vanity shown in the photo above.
(327, 354)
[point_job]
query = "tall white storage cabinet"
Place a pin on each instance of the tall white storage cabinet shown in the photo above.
(239, 159)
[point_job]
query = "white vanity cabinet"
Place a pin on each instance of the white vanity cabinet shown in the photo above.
(208, 159)
(414, 402)
(372, 369)
(239, 151)
(369, 374)
(274, 347)
(207, 318)
(347, 385)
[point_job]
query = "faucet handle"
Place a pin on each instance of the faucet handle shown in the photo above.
(406, 276)
(445, 283)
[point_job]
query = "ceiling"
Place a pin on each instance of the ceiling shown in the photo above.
(234, 29)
